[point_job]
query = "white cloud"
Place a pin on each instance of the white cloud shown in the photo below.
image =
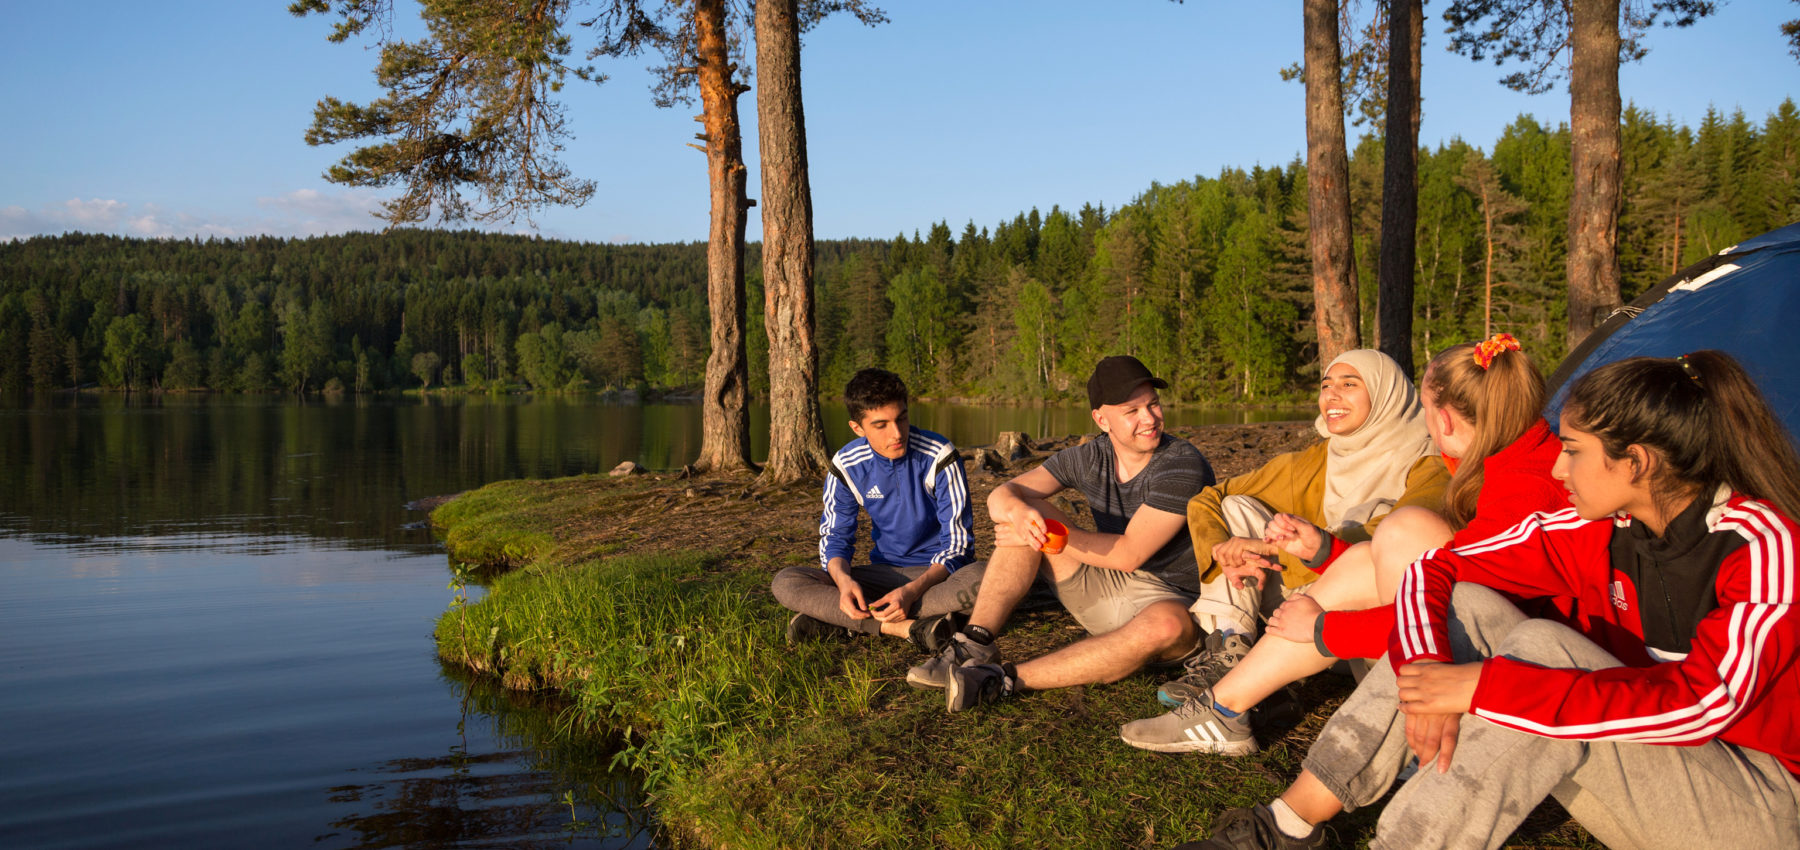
(302, 212)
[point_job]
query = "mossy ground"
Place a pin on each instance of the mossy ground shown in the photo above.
(745, 742)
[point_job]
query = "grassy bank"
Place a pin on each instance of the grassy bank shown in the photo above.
(745, 742)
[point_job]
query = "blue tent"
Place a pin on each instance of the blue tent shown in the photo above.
(1744, 300)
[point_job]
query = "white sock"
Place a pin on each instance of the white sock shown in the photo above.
(1290, 824)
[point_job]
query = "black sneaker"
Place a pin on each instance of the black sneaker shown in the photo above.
(931, 634)
(804, 628)
(1217, 656)
(1253, 829)
(976, 684)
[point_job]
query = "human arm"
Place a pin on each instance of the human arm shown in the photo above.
(1297, 536)
(956, 519)
(1147, 532)
(850, 592)
(1434, 696)
(1544, 555)
(1296, 619)
(1280, 484)
(1013, 506)
(898, 604)
(837, 526)
(1743, 652)
(1016, 508)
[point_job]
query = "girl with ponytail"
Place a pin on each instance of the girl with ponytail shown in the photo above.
(1659, 710)
(1482, 404)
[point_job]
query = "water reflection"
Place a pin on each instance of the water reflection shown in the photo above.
(339, 472)
(552, 788)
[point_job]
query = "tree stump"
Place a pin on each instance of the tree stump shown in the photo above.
(1013, 445)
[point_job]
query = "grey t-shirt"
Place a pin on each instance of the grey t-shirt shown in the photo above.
(1176, 473)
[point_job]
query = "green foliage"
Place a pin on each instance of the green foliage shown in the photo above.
(126, 356)
(472, 104)
(1206, 279)
(425, 366)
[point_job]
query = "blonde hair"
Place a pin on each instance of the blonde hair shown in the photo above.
(1503, 400)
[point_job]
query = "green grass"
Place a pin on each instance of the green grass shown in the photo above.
(743, 742)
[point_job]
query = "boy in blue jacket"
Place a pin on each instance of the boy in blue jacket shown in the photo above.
(910, 482)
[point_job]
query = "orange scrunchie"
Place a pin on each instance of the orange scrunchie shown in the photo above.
(1487, 350)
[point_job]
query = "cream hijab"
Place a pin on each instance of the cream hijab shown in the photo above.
(1366, 469)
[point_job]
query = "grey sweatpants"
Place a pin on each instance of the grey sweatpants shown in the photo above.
(808, 590)
(1626, 794)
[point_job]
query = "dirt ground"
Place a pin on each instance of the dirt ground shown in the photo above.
(729, 513)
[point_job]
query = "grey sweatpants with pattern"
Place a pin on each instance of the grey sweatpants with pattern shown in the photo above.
(808, 590)
(1628, 795)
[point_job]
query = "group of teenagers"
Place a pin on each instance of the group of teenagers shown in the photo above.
(1599, 613)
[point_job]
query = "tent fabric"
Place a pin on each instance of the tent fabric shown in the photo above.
(1745, 300)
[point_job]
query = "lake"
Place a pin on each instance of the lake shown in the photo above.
(217, 624)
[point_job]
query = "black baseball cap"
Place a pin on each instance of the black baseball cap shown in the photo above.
(1117, 377)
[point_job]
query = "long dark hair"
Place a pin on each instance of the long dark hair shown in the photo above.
(1702, 415)
(1503, 400)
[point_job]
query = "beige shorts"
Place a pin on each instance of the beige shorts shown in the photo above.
(1103, 600)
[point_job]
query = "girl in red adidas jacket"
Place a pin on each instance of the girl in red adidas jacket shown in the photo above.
(1658, 709)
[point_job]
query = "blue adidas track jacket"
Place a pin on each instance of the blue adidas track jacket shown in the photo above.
(918, 505)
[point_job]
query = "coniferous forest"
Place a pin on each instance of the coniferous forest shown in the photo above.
(1204, 279)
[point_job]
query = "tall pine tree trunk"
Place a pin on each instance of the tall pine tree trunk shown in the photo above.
(1336, 312)
(725, 410)
(1399, 185)
(796, 429)
(1593, 264)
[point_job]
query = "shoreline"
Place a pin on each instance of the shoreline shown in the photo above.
(645, 600)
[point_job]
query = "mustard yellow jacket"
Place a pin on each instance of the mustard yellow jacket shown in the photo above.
(1294, 483)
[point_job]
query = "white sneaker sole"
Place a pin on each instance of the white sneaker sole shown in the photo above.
(1224, 748)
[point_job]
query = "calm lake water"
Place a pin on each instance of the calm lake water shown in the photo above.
(217, 624)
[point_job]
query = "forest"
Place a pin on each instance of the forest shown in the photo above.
(1205, 279)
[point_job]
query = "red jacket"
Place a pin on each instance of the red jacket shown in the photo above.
(1515, 484)
(1700, 617)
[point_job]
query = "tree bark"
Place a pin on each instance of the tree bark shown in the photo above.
(725, 407)
(1336, 313)
(796, 429)
(1399, 183)
(1593, 264)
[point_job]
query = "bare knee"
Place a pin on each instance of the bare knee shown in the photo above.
(1165, 627)
(1412, 527)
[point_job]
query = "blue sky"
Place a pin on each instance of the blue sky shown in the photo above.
(184, 119)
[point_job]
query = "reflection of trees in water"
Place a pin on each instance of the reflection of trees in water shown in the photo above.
(549, 786)
(336, 470)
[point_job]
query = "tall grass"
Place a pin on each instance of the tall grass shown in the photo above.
(681, 658)
(744, 742)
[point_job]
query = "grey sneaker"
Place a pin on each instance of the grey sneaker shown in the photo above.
(976, 684)
(1253, 829)
(934, 672)
(1195, 726)
(804, 628)
(1218, 655)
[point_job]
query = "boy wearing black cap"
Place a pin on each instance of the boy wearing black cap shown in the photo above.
(1128, 583)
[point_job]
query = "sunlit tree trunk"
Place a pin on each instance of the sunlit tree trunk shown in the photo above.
(1328, 187)
(725, 413)
(1593, 264)
(796, 429)
(1400, 184)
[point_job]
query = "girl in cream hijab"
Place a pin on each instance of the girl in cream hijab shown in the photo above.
(1377, 455)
